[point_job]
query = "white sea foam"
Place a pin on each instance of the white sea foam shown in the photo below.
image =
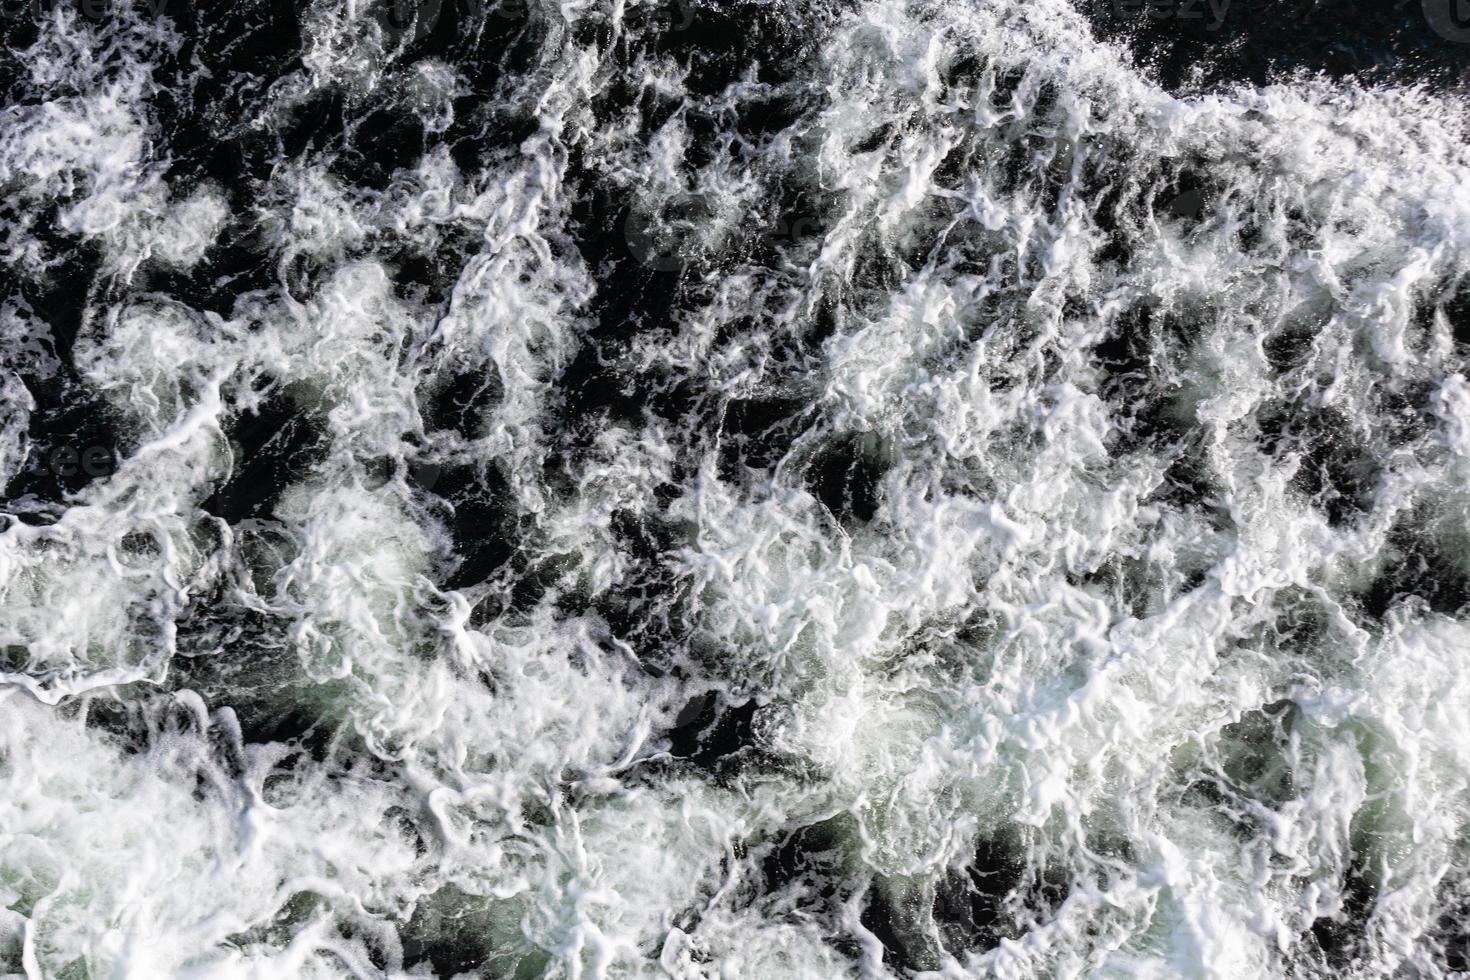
(1135, 652)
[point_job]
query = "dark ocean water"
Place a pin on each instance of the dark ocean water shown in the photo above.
(755, 490)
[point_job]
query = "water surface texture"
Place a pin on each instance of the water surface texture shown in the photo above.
(765, 490)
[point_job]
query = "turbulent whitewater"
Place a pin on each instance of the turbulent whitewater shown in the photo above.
(756, 490)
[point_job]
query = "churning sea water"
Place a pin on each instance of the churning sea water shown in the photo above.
(761, 490)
